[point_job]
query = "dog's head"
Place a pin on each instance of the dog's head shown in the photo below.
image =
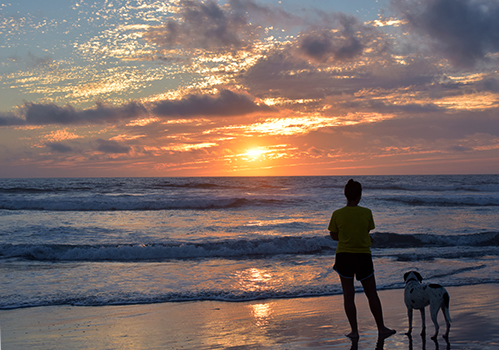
(412, 275)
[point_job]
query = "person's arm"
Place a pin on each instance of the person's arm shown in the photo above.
(334, 235)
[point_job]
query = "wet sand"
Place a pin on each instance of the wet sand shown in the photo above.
(300, 323)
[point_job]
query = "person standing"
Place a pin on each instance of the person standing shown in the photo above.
(350, 226)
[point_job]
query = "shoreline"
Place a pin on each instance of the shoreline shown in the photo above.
(298, 323)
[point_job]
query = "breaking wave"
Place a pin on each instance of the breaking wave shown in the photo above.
(264, 247)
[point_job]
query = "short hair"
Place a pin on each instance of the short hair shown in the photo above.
(353, 190)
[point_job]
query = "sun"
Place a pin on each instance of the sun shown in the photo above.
(254, 153)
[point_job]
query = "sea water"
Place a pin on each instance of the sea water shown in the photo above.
(112, 241)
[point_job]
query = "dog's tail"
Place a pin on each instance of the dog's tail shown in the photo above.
(446, 305)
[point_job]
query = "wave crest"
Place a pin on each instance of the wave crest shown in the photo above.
(264, 247)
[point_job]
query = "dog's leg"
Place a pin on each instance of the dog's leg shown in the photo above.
(445, 310)
(447, 322)
(423, 322)
(409, 316)
(434, 308)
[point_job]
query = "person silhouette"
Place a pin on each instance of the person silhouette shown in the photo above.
(350, 227)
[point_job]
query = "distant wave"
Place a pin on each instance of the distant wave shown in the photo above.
(41, 190)
(265, 247)
(195, 185)
(128, 202)
(137, 252)
(446, 201)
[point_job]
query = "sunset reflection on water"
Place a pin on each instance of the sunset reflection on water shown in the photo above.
(254, 280)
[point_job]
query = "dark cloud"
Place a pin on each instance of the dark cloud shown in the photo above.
(8, 119)
(283, 74)
(460, 149)
(203, 25)
(464, 31)
(217, 28)
(36, 61)
(429, 134)
(433, 126)
(341, 45)
(381, 106)
(59, 147)
(44, 114)
(227, 103)
(110, 146)
(488, 84)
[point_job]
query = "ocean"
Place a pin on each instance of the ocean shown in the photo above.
(117, 241)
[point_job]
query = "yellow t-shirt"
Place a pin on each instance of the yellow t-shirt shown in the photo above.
(352, 225)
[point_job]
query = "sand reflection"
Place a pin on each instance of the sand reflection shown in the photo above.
(262, 313)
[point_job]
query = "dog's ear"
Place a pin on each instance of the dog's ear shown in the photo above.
(405, 275)
(418, 275)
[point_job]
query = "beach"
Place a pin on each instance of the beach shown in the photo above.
(295, 323)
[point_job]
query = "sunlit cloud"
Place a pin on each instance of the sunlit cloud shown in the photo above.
(143, 121)
(123, 137)
(61, 135)
(289, 126)
(187, 147)
(386, 22)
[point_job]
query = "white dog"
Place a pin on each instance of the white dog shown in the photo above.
(418, 296)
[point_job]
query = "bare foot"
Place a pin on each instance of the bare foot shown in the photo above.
(386, 332)
(353, 335)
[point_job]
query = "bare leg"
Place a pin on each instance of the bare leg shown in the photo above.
(369, 285)
(349, 303)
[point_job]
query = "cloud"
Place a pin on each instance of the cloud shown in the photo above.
(45, 114)
(488, 84)
(114, 147)
(464, 31)
(422, 137)
(287, 75)
(432, 126)
(227, 103)
(59, 147)
(386, 107)
(205, 26)
(341, 45)
(8, 119)
(217, 28)
(36, 61)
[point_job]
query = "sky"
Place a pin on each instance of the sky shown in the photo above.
(248, 88)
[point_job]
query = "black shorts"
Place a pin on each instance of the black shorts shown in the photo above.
(359, 265)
